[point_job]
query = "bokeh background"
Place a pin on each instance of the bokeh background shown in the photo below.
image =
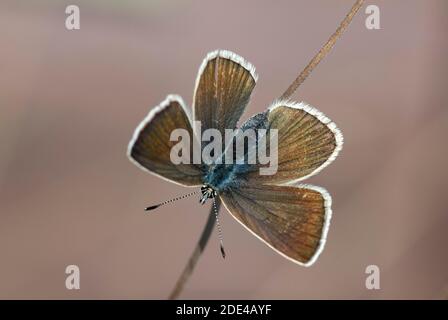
(70, 100)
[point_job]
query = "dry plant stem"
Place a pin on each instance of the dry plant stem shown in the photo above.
(205, 236)
(323, 51)
(188, 270)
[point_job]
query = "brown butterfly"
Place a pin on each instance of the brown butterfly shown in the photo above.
(290, 217)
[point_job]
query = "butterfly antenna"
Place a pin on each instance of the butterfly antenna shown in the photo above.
(221, 243)
(171, 200)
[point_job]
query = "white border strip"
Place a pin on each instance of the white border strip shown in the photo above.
(322, 118)
(152, 113)
(327, 219)
(325, 227)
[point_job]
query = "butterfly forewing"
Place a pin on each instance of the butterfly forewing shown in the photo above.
(291, 220)
(307, 142)
(150, 146)
(223, 88)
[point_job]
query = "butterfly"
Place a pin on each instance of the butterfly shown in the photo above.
(290, 217)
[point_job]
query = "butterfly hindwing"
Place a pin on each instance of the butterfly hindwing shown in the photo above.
(292, 220)
(150, 146)
(307, 142)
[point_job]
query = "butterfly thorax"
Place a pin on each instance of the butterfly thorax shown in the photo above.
(221, 176)
(224, 175)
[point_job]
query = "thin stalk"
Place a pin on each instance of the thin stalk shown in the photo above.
(205, 236)
(326, 48)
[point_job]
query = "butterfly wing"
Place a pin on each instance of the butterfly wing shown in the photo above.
(223, 87)
(308, 141)
(292, 220)
(150, 145)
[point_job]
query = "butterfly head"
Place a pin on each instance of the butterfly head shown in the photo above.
(207, 193)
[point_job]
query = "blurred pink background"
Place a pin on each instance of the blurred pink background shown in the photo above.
(70, 100)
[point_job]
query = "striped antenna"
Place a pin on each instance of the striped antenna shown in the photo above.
(171, 200)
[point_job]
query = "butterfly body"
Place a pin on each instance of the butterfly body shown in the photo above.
(290, 217)
(222, 176)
